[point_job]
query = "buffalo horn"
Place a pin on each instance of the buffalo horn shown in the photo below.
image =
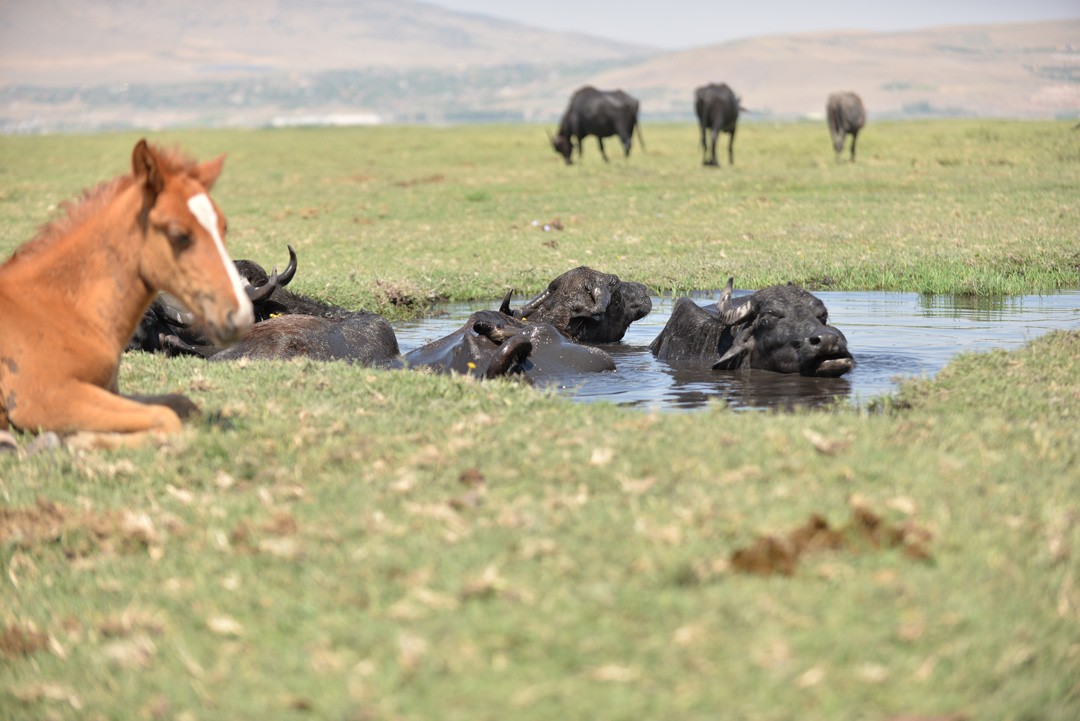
(264, 291)
(505, 307)
(290, 269)
(533, 304)
(496, 334)
(509, 358)
(733, 315)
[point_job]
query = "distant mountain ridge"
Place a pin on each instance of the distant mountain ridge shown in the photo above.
(1023, 70)
(124, 63)
(73, 42)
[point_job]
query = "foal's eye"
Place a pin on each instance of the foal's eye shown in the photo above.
(180, 239)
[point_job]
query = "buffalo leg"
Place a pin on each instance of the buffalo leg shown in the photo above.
(601, 142)
(731, 147)
(854, 137)
(712, 149)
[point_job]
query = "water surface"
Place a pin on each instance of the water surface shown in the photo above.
(891, 335)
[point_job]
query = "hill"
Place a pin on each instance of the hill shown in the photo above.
(118, 64)
(56, 43)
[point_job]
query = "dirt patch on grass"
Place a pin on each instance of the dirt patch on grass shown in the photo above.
(776, 553)
(406, 295)
(420, 181)
(79, 532)
(19, 642)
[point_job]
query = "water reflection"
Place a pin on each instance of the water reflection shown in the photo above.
(891, 335)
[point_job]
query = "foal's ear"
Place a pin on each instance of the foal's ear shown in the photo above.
(145, 167)
(209, 171)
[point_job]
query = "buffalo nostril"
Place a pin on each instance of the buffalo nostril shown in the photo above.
(815, 340)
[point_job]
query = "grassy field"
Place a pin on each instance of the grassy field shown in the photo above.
(343, 543)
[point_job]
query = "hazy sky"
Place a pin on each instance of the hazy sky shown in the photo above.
(677, 24)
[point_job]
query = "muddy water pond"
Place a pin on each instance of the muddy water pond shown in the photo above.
(891, 335)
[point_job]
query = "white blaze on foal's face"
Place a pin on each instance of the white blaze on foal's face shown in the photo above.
(204, 212)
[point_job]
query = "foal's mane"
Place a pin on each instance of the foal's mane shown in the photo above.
(92, 200)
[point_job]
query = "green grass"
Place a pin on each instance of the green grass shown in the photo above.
(344, 543)
(985, 208)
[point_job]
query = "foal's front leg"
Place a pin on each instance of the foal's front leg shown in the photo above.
(75, 406)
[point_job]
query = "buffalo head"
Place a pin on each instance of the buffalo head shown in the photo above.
(563, 146)
(782, 328)
(587, 305)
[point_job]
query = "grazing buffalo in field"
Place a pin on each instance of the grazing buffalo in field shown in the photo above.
(846, 116)
(587, 305)
(492, 344)
(717, 109)
(602, 113)
(781, 328)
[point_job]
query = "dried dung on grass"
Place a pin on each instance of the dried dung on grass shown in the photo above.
(19, 642)
(78, 531)
(774, 553)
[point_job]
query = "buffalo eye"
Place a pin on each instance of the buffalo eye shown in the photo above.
(767, 319)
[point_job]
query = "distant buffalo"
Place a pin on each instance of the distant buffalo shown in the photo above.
(602, 113)
(782, 328)
(717, 109)
(587, 305)
(846, 116)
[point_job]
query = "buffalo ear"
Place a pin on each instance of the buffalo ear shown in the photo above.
(146, 168)
(737, 354)
(732, 360)
(207, 173)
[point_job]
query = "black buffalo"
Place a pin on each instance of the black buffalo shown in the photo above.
(602, 113)
(355, 337)
(587, 305)
(717, 109)
(492, 344)
(846, 116)
(781, 328)
(287, 325)
(166, 326)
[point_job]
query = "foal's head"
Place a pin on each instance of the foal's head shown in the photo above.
(184, 251)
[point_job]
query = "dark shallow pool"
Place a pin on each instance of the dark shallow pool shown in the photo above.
(891, 335)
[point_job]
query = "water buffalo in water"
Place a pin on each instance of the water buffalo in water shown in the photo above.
(846, 116)
(166, 326)
(717, 109)
(602, 113)
(587, 305)
(491, 344)
(287, 325)
(356, 337)
(781, 328)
